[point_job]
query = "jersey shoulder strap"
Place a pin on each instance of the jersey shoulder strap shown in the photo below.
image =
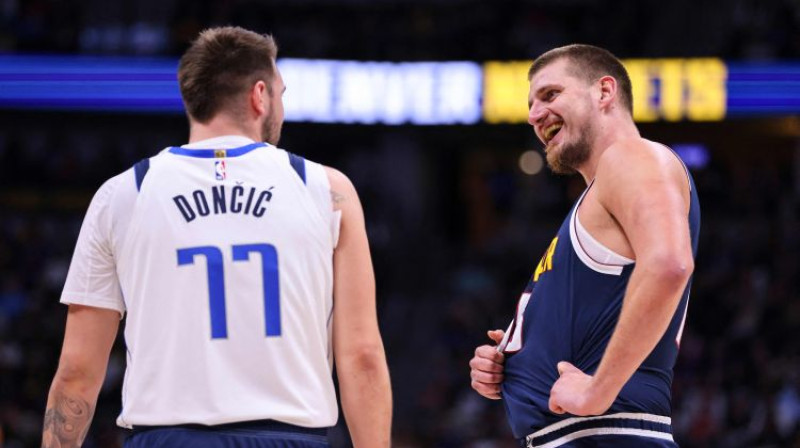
(140, 171)
(299, 165)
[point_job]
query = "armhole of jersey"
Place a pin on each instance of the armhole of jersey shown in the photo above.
(685, 168)
(140, 171)
(124, 205)
(299, 165)
(320, 188)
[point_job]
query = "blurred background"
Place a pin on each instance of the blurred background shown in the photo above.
(459, 208)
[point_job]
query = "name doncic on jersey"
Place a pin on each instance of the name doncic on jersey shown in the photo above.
(234, 201)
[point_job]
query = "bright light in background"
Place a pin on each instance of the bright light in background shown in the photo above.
(531, 162)
(694, 155)
(417, 93)
(423, 93)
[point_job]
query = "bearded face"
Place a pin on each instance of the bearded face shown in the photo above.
(565, 157)
(271, 129)
(561, 113)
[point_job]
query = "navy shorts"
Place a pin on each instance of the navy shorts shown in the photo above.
(261, 434)
(619, 430)
(616, 441)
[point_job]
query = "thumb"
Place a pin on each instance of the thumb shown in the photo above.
(496, 335)
(565, 367)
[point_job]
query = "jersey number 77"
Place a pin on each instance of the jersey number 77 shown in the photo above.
(216, 283)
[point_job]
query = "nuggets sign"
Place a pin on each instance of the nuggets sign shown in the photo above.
(663, 89)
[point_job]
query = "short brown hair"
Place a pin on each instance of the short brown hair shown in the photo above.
(220, 65)
(589, 63)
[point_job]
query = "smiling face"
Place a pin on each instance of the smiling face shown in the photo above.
(560, 111)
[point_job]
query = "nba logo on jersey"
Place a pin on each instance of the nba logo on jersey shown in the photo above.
(219, 169)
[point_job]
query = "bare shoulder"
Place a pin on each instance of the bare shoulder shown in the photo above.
(637, 169)
(343, 193)
(638, 158)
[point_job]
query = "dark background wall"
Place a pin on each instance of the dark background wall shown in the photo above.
(455, 226)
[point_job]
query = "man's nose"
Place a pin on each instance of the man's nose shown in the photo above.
(536, 114)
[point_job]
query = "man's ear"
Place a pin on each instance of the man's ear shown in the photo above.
(258, 98)
(608, 90)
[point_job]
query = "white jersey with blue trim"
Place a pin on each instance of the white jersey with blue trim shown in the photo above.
(221, 253)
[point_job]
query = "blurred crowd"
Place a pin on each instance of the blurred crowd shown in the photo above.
(406, 30)
(455, 227)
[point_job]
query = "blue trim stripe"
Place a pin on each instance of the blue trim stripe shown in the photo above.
(299, 165)
(140, 170)
(212, 153)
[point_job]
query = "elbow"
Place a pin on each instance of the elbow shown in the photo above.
(364, 358)
(672, 268)
(73, 373)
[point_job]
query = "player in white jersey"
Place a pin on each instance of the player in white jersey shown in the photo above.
(242, 271)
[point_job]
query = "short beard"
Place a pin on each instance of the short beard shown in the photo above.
(271, 132)
(571, 156)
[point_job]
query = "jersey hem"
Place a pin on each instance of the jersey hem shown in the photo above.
(94, 303)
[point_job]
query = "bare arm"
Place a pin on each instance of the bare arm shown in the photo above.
(647, 192)
(358, 348)
(88, 338)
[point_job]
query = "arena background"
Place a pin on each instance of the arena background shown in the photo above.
(456, 225)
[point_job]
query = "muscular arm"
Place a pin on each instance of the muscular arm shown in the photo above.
(647, 192)
(358, 348)
(89, 335)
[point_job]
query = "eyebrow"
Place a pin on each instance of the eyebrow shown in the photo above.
(539, 92)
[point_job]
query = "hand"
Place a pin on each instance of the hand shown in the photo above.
(487, 367)
(574, 393)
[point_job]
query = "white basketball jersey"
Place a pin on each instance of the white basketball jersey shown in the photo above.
(221, 254)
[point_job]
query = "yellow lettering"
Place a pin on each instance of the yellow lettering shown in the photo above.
(668, 89)
(550, 250)
(670, 72)
(707, 94)
(505, 92)
(546, 263)
(643, 91)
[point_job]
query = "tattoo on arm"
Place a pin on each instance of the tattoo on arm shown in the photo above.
(66, 422)
(337, 199)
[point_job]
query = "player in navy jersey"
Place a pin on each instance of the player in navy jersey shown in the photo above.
(587, 360)
(226, 256)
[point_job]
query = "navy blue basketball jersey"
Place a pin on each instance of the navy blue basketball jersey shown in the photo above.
(568, 312)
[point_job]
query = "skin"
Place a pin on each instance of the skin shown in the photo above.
(358, 347)
(637, 207)
(89, 335)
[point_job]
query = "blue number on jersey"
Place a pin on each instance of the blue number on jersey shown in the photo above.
(269, 272)
(216, 283)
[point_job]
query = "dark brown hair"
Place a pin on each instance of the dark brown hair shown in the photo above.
(221, 65)
(589, 63)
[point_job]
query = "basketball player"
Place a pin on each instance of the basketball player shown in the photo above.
(243, 270)
(587, 361)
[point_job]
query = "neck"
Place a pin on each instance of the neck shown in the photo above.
(608, 133)
(222, 125)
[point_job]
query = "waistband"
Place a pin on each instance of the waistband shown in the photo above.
(257, 425)
(625, 423)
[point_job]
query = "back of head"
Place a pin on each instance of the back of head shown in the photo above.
(589, 63)
(220, 66)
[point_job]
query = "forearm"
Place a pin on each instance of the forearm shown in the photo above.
(70, 407)
(648, 307)
(366, 399)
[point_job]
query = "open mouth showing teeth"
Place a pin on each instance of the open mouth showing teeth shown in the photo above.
(551, 131)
